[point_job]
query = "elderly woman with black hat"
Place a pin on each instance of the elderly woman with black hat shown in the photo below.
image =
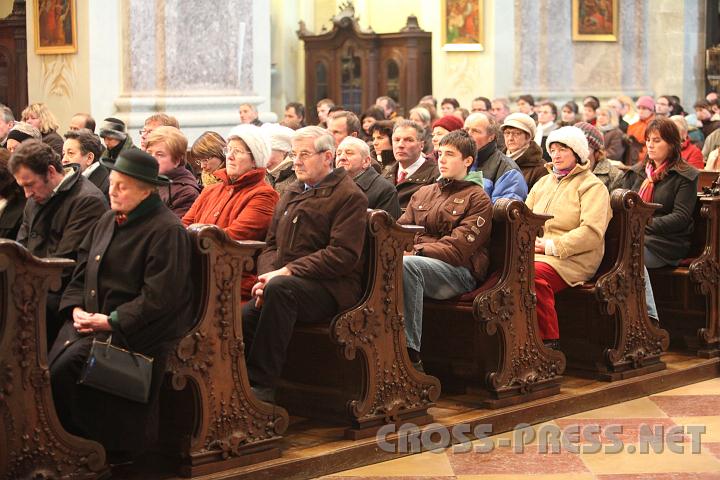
(572, 247)
(116, 139)
(20, 132)
(132, 284)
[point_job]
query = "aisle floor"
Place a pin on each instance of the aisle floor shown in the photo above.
(631, 425)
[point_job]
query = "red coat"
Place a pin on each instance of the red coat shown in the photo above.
(692, 154)
(243, 209)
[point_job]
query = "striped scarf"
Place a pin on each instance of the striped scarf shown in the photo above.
(653, 175)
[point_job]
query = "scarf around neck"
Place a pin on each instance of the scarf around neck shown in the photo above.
(653, 176)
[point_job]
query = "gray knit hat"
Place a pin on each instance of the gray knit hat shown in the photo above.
(113, 128)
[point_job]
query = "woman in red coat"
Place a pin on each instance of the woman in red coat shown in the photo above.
(242, 203)
(690, 153)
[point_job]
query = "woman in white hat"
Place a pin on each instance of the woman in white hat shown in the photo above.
(572, 247)
(242, 202)
(519, 132)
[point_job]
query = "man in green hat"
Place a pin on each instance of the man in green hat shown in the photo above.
(133, 281)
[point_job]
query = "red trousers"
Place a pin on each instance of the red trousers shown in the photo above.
(547, 284)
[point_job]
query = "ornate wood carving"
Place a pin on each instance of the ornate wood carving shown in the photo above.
(233, 427)
(507, 309)
(34, 443)
(705, 274)
(621, 291)
(392, 389)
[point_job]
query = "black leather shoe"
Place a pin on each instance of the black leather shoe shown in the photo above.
(554, 344)
(266, 394)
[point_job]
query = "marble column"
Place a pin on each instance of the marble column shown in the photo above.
(195, 60)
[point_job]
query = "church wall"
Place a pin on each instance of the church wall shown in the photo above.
(60, 81)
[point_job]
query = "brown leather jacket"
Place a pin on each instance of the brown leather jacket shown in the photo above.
(319, 234)
(425, 175)
(457, 216)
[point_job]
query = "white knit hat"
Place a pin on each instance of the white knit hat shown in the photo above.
(280, 136)
(522, 121)
(572, 137)
(257, 141)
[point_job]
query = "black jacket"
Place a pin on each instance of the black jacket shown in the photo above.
(55, 141)
(140, 271)
(12, 217)
(427, 174)
(669, 232)
(56, 228)
(380, 193)
(100, 177)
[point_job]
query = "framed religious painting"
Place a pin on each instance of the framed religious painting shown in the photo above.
(595, 20)
(462, 25)
(55, 26)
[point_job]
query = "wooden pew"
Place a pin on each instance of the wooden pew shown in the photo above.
(356, 369)
(706, 179)
(605, 331)
(489, 338)
(688, 296)
(33, 443)
(212, 421)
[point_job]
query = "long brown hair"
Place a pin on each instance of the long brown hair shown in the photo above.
(669, 132)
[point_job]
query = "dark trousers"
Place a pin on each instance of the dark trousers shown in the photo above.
(267, 330)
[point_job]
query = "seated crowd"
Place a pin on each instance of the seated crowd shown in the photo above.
(121, 210)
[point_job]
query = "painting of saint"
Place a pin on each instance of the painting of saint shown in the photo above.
(55, 26)
(595, 20)
(462, 21)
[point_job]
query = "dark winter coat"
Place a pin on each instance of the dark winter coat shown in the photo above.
(182, 191)
(138, 273)
(319, 234)
(457, 216)
(669, 232)
(532, 164)
(381, 194)
(12, 216)
(56, 228)
(55, 141)
(427, 174)
(111, 155)
(100, 177)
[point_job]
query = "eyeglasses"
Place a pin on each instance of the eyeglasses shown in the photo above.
(513, 133)
(302, 155)
(233, 152)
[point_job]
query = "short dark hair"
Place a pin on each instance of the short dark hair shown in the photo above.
(553, 107)
(703, 104)
(89, 121)
(35, 156)
(410, 124)
(527, 98)
(451, 101)
(485, 100)
(351, 120)
(572, 106)
(385, 127)
(89, 142)
(390, 102)
(298, 107)
(590, 102)
(462, 141)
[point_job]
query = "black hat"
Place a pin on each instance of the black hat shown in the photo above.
(138, 164)
(113, 128)
(18, 136)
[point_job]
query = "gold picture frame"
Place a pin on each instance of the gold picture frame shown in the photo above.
(462, 25)
(595, 20)
(55, 24)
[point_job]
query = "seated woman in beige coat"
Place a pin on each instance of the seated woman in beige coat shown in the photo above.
(572, 246)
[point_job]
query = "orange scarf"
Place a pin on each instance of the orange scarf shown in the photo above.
(653, 175)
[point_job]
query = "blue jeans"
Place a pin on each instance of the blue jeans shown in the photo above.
(432, 278)
(653, 262)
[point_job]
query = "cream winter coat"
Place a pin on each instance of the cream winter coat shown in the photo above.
(580, 206)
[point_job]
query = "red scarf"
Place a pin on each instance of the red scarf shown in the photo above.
(653, 175)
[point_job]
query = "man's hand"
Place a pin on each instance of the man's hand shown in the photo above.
(85, 322)
(259, 287)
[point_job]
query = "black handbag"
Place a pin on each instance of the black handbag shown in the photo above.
(117, 371)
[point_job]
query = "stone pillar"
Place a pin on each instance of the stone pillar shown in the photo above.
(195, 60)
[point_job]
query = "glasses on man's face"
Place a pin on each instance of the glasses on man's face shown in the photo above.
(302, 155)
(234, 152)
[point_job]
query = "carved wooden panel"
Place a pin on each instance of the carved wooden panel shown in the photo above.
(231, 426)
(33, 442)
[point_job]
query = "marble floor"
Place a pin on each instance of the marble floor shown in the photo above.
(668, 436)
